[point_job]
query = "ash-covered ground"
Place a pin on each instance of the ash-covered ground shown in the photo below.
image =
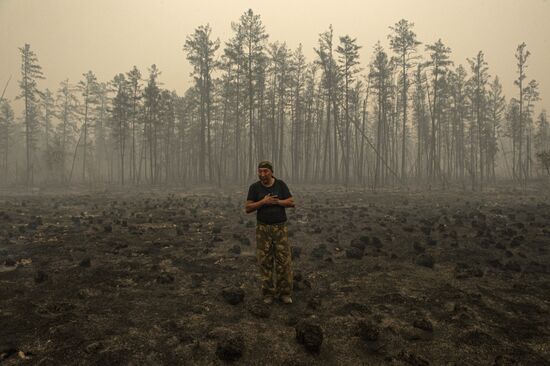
(167, 278)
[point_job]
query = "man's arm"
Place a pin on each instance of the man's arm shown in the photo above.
(252, 206)
(289, 202)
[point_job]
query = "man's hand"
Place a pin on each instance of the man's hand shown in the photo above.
(270, 199)
(252, 206)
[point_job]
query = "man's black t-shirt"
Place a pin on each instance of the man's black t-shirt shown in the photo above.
(269, 214)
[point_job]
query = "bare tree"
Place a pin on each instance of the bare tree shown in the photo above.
(31, 71)
(478, 83)
(121, 114)
(349, 61)
(201, 53)
(134, 78)
(403, 42)
(496, 107)
(438, 62)
(88, 90)
(7, 122)
(522, 54)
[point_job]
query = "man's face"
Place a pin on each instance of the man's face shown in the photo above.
(264, 174)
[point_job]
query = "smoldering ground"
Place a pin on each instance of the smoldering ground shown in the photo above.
(171, 278)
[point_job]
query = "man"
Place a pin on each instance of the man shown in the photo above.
(269, 197)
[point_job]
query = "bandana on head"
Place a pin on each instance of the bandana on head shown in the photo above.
(266, 164)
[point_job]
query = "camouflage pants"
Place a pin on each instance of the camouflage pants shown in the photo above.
(272, 244)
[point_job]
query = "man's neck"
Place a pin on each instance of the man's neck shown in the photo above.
(270, 183)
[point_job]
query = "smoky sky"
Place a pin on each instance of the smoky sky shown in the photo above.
(108, 37)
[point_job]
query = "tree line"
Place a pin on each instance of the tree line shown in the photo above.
(409, 117)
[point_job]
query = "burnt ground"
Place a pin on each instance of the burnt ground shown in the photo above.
(160, 278)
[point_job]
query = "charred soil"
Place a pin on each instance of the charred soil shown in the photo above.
(165, 278)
